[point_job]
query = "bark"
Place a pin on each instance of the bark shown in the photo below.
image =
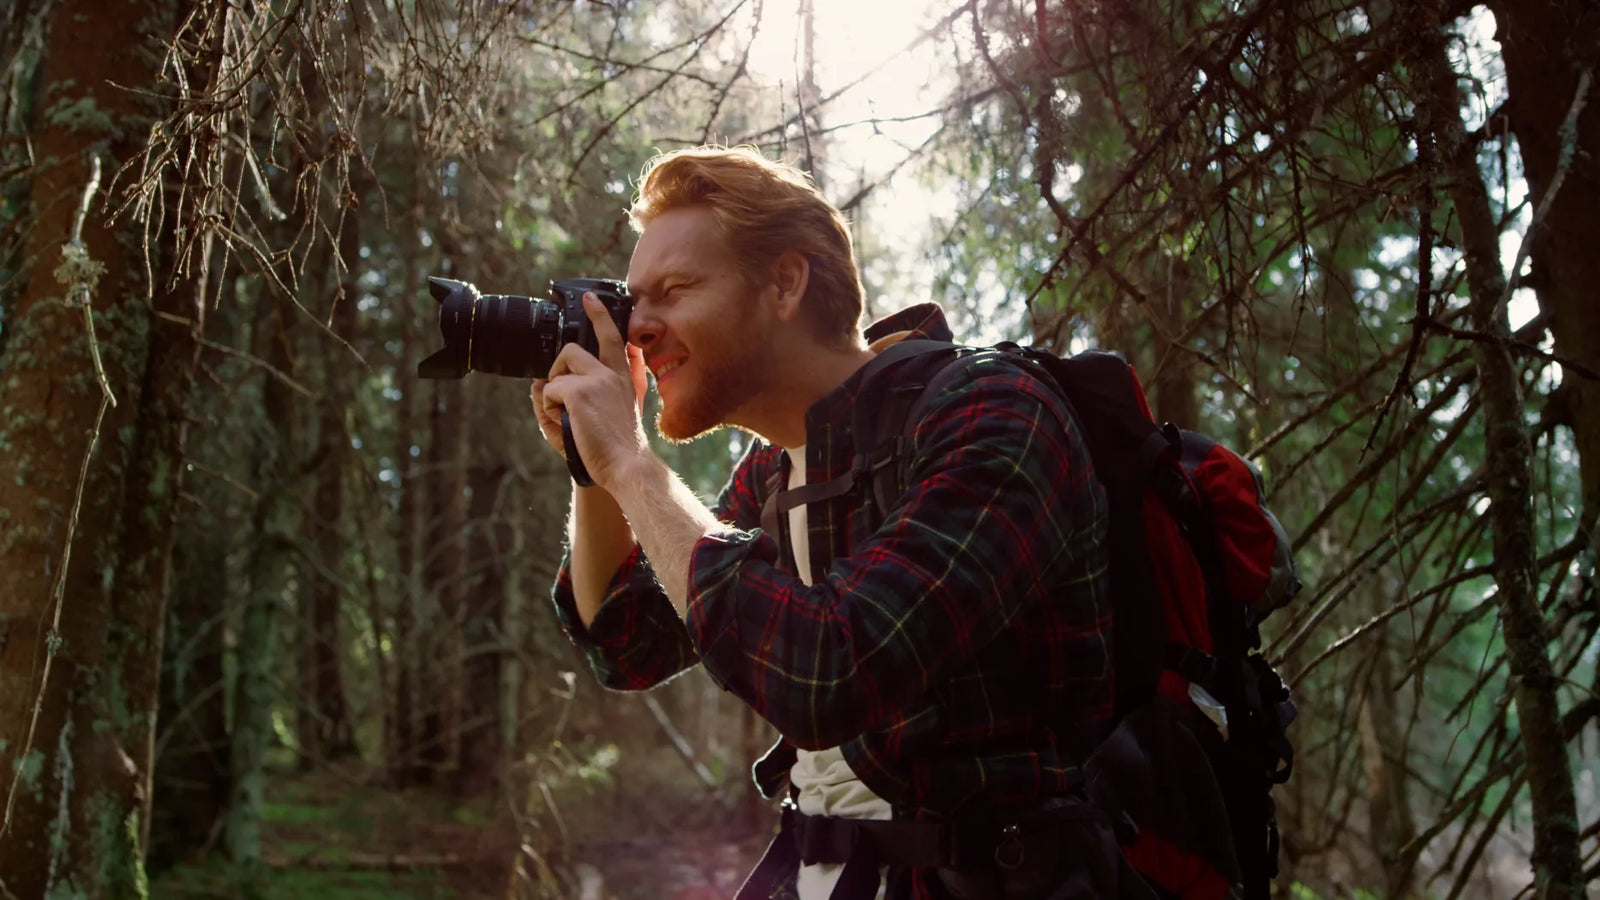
(814, 144)
(72, 792)
(325, 730)
(143, 579)
(1174, 397)
(483, 635)
(1547, 48)
(189, 795)
(403, 755)
(1557, 861)
(1392, 823)
(149, 520)
(191, 769)
(402, 761)
(444, 584)
(271, 558)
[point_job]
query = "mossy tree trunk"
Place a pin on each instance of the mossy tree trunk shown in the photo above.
(80, 587)
(155, 480)
(1385, 742)
(1508, 473)
(269, 573)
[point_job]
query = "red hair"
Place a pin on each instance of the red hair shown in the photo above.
(763, 208)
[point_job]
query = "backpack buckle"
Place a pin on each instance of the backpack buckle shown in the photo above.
(1009, 852)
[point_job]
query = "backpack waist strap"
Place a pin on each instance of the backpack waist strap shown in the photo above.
(832, 839)
(956, 844)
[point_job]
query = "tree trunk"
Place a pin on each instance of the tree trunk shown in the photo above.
(149, 521)
(814, 147)
(1392, 824)
(1174, 394)
(72, 792)
(444, 583)
(189, 795)
(325, 729)
(1546, 46)
(155, 475)
(403, 757)
(483, 635)
(191, 768)
(1557, 860)
(403, 762)
(271, 558)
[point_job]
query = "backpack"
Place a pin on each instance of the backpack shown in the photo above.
(1196, 562)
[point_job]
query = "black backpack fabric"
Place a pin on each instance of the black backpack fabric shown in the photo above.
(1197, 561)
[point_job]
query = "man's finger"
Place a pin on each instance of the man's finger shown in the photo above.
(553, 398)
(606, 334)
(573, 360)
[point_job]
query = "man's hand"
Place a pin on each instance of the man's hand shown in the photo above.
(642, 499)
(602, 397)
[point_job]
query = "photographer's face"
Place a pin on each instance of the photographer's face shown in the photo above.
(702, 327)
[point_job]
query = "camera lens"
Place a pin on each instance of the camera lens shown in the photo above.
(515, 336)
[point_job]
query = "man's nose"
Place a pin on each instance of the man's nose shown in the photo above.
(644, 328)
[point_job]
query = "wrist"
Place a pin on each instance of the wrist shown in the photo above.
(633, 472)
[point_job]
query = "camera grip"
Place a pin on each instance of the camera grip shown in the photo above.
(580, 473)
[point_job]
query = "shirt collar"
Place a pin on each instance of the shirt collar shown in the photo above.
(923, 321)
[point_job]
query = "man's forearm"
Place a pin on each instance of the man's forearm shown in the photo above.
(601, 540)
(667, 519)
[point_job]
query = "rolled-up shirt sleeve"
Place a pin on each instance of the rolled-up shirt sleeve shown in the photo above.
(636, 639)
(970, 542)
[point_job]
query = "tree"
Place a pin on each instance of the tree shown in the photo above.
(97, 374)
(1557, 858)
(1549, 62)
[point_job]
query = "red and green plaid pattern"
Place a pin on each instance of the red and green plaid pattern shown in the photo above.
(959, 652)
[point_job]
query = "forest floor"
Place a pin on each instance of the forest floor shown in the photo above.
(339, 835)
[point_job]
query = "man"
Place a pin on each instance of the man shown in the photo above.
(943, 663)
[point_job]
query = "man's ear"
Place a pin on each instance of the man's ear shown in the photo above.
(791, 272)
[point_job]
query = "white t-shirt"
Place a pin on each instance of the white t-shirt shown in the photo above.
(823, 781)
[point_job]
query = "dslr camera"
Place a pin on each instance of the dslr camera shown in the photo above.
(519, 337)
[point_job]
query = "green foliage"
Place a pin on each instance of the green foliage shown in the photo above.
(215, 879)
(1299, 891)
(597, 768)
(320, 836)
(295, 813)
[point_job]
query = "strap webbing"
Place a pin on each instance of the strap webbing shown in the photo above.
(879, 419)
(814, 493)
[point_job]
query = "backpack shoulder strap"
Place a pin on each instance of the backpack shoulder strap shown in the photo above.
(891, 383)
(939, 366)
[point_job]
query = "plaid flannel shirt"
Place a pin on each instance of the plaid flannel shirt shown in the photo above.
(958, 652)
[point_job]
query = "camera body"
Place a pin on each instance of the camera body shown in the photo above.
(518, 337)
